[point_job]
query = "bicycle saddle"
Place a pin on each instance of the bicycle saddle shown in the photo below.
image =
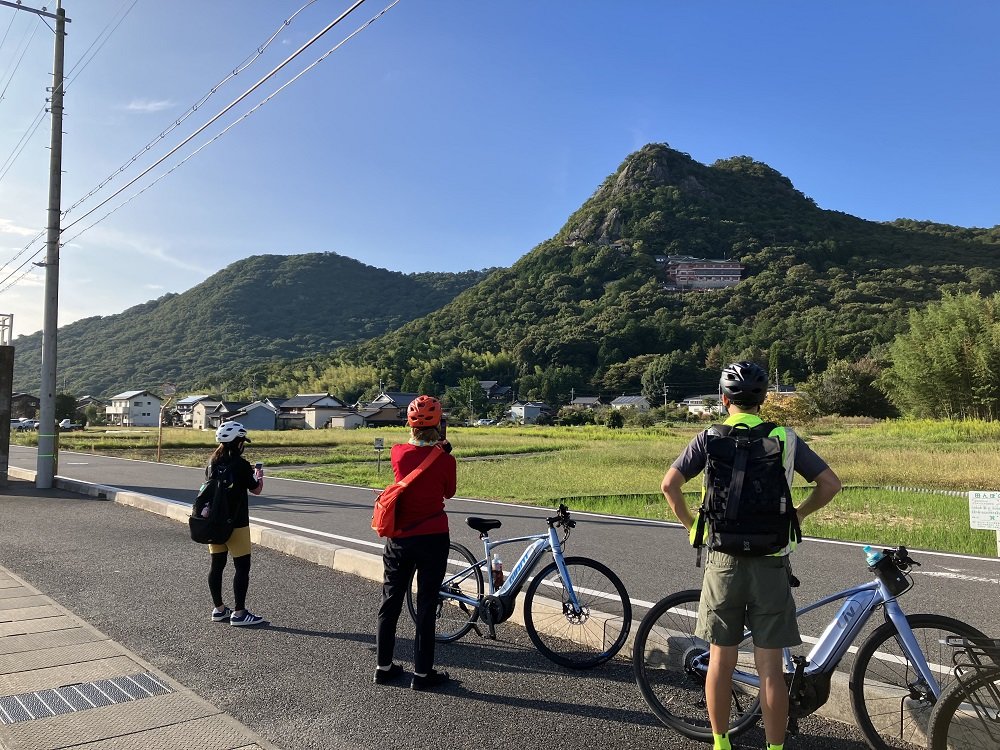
(483, 525)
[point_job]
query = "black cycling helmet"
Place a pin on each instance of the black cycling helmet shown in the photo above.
(744, 383)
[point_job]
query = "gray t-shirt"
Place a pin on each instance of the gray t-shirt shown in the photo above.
(692, 461)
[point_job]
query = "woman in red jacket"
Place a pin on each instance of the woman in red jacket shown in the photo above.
(420, 545)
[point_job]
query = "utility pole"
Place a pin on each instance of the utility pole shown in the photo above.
(47, 393)
(664, 397)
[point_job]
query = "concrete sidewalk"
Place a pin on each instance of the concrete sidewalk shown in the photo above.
(64, 684)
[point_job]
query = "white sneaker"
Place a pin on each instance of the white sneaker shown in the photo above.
(246, 619)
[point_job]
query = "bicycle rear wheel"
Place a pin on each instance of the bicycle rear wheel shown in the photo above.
(892, 703)
(966, 715)
(453, 618)
(670, 663)
(585, 638)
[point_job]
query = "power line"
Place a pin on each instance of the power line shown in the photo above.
(24, 50)
(83, 57)
(26, 137)
(291, 57)
(2, 41)
(249, 60)
(225, 130)
(228, 107)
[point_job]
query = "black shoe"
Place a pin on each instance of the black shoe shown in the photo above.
(432, 680)
(393, 673)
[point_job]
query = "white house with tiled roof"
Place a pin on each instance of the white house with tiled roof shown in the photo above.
(639, 403)
(134, 409)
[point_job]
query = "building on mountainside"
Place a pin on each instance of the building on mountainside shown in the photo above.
(686, 272)
(587, 402)
(134, 409)
(528, 412)
(639, 403)
(308, 411)
(23, 405)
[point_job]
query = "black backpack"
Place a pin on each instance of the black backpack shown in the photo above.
(747, 502)
(217, 526)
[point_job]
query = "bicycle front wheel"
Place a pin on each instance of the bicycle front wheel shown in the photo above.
(670, 664)
(453, 618)
(892, 703)
(584, 638)
(967, 715)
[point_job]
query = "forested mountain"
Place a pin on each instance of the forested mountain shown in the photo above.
(588, 309)
(263, 307)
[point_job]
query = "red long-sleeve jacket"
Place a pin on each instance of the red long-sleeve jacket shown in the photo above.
(420, 509)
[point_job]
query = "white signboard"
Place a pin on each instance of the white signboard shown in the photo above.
(379, 444)
(984, 510)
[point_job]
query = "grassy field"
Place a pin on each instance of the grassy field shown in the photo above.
(619, 471)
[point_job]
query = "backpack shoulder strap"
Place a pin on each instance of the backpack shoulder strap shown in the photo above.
(435, 452)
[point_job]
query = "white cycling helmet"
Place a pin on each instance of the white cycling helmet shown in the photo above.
(229, 431)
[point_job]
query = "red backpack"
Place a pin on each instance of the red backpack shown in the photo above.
(384, 517)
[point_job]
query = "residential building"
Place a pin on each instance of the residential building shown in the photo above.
(185, 407)
(587, 402)
(347, 419)
(258, 415)
(686, 272)
(309, 411)
(702, 405)
(388, 408)
(200, 413)
(495, 391)
(528, 412)
(639, 403)
(134, 409)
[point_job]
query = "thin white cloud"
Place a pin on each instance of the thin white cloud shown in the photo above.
(146, 106)
(9, 227)
(154, 287)
(126, 246)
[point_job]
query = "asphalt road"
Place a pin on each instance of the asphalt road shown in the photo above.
(652, 558)
(305, 682)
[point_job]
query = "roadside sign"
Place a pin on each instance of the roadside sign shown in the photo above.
(379, 443)
(379, 447)
(984, 510)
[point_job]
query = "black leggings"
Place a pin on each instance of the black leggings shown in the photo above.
(241, 579)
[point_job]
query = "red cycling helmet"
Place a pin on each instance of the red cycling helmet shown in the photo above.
(424, 411)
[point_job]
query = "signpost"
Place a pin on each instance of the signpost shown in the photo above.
(984, 512)
(379, 447)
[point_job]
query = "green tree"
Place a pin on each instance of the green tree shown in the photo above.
(942, 367)
(849, 389)
(614, 420)
(65, 407)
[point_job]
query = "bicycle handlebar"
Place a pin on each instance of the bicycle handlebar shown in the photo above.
(900, 557)
(561, 518)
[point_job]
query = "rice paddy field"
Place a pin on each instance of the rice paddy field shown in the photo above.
(901, 478)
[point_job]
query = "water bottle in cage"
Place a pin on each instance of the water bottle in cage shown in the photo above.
(497, 570)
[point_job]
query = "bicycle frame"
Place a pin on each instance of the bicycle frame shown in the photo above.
(540, 543)
(861, 602)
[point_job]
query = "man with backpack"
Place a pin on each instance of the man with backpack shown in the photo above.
(750, 526)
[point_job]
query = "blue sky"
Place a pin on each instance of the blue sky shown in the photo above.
(456, 134)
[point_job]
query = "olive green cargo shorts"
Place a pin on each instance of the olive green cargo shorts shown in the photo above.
(748, 592)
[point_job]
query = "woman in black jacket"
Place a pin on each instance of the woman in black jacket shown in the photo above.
(228, 458)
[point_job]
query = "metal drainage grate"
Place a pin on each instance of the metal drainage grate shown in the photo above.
(79, 697)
